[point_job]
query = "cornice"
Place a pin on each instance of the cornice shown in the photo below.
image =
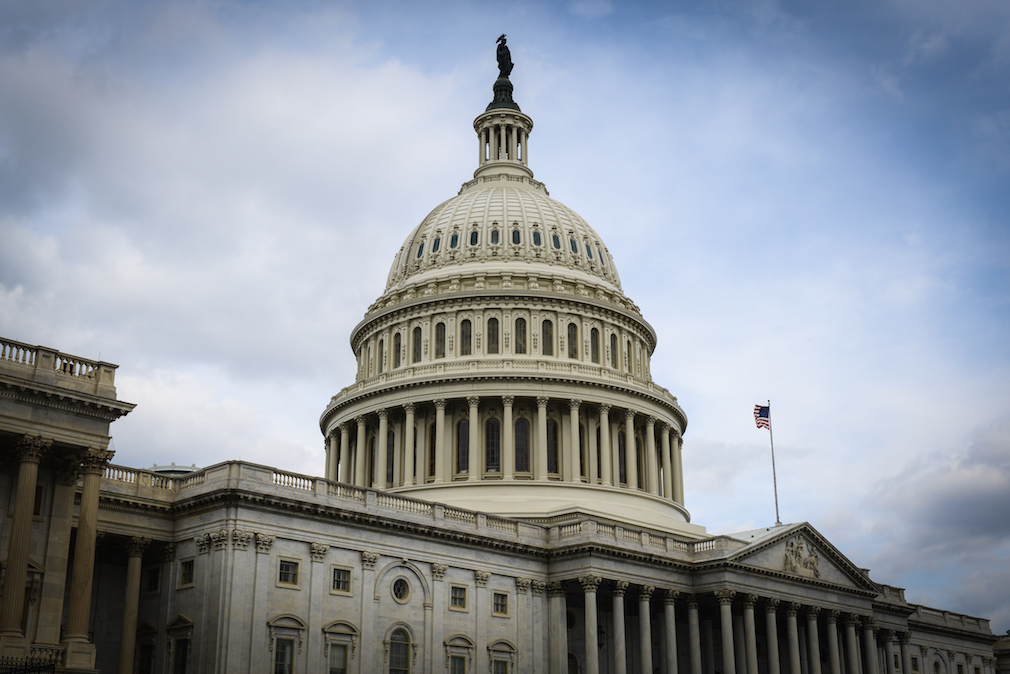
(63, 400)
(952, 631)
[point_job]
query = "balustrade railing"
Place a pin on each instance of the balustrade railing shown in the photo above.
(16, 352)
(293, 480)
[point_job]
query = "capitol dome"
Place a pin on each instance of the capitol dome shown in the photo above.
(503, 369)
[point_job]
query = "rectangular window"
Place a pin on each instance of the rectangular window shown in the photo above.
(960, 669)
(287, 572)
(915, 664)
(186, 573)
(284, 656)
(897, 661)
(500, 667)
(40, 493)
(338, 659)
(501, 603)
(457, 598)
(492, 335)
(547, 338)
(341, 580)
(180, 656)
(152, 579)
(145, 659)
(457, 665)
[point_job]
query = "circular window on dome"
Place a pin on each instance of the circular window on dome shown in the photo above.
(557, 241)
(454, 241)
(536, 239)
(516, 237)
(420, 249)
(435, 244)
(473, 238)
(401, 590)
(494, 236)
(574, 246)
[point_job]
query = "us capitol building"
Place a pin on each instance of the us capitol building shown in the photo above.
(503, 493)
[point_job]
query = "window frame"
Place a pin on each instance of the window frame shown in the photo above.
(494, 604)
(296, 583)
(440, 339)
(493, 331)
(463, 607)
(417, 336)
(462, 455)
(526, 450)
(190, 563)
(334, 568)
(520, 337)
(492, 446)
(397, 342)
(573, 340)
(466, 337)
(547, 337)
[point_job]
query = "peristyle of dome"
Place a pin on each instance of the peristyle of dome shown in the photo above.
(503, 369)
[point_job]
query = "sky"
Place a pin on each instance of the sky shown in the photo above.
(810, 202)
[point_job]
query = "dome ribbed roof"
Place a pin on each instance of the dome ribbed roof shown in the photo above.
(483, 224)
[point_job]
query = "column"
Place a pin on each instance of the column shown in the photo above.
(345, 454)
(590, 584)
(694, 634)
(541, 455)
(592, 468)
(670, 625)
(677, 443)
(480, 147)
(667, 470)
(851, 647)
(708, 646)
(439, 448)
(888, 636)
(379, 479)
(558, 658)
(813, 645)
(792, 634)
(652, 479)
(475, 461)
(78, 611)
(750, 633)
(904, 639)
(605, 460)
(739, 645)
(631, 453)
(508, 450)
(409, 456)
(772, 635)
(869, 645)
(573, 446)
(620, 647)
(128, 638)
(645, 626)
(513, 142)
(831, 627)
(360, 452)
(332, 456)
(725, 598)
(30, 450)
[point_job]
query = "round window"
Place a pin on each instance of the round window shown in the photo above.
(401, 590)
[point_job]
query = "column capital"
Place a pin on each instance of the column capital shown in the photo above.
(629, 414)
(508, 401)
(812, 612)
(382, 413)
(869, 622)
(32, 447)
(473, 401)
(952, 655)
(542, 401)
(360, 420)
(670, 596)
(725, 596)
(905, 639)
(555, 589)
(605, 408)
(136, 545)
(749, 600)
(692, 601)
(344, 426)
(924, 652)
(620, 587)
(408, 408)
(439, 403)
(772, 604)
(94, 460)
(852, 619)
(590, 583)
(792, 608)
(574, 404)
(645, 592)
(650, 421)
(831, 615)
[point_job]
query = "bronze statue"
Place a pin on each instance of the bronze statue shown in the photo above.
(504, 58)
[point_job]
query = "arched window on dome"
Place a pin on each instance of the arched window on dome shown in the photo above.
(453, 241)
(631, 358)
(516, 237)
(522, 446)
(622, 454)
(603, 262)
(492, 446)
(436, 244)
(547, 338)
(557, 241)
(494, 236)
(594, 345)
(417, 345)
(463, 446)
(474, 237)
(399, 652)
(492, 335)
(552, 446)
(397, 341)
(614, 354)
(520, 335)
(420, 250)
(573, 340)
(536, 239)
(440, 340)
(378, 356)
(390, 455)
(589, 252)
(574, 246)
(465, 337)
(432, 454)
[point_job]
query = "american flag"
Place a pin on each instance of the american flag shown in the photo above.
(762, 416)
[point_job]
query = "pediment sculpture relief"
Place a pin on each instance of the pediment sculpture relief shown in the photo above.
(800, 561)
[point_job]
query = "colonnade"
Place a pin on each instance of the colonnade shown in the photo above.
(854, 644)
(530, 438)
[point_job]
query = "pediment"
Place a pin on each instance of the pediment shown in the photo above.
(801, 552)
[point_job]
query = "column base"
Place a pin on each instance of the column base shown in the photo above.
(14, 646)
(79, 657)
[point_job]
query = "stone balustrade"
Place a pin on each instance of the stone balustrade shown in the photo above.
(43, 365)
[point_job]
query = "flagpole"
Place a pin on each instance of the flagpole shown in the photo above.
(775, 482)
